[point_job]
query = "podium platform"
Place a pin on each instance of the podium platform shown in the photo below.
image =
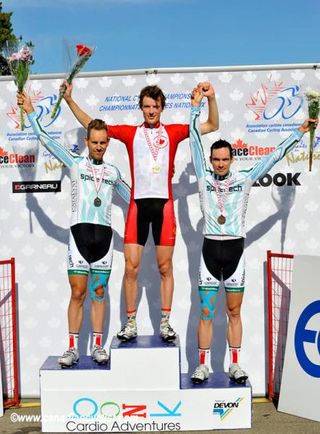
(141, 389)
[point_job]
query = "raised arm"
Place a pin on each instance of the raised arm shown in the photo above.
(60, 152)
(123, 188)
(266, 163)
(81, 116)
(212, 123)
(197, 154)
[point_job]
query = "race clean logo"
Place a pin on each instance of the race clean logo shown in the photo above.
(9, 160)
(223, 408)
(304, 338)
(36, 187)
(243, 150)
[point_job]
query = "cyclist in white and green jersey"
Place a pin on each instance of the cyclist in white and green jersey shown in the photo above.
(224, 198)
(91, 242)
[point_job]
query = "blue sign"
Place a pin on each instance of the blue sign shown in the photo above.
(303, 335)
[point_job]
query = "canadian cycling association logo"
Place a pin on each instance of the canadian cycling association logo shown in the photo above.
(43, 105)
(275, 101)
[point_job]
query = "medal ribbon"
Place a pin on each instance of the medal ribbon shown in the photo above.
(154, 147)
(97, 183)
(222, 197)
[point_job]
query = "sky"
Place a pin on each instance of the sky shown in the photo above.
(148, 34)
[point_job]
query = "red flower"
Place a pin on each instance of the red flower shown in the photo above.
(83, 50)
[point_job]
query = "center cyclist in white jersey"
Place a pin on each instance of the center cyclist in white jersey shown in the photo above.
(91, 241)
(224, 198)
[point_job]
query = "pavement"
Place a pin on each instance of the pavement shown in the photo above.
(265, 419)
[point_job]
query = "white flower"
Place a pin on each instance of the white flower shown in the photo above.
(312, 95)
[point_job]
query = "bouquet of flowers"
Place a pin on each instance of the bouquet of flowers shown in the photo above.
(83, 55)
(19, 55)
(313, 98)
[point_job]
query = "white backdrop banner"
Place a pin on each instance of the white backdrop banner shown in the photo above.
(258, 109)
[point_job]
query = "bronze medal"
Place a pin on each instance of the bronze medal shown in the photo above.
(97, 202)
(221, 219)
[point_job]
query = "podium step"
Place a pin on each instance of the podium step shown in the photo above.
(146, 362)
(141, 389)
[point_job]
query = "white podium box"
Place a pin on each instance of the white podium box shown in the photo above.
(118, 398)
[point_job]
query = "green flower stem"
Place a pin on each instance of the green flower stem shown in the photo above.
(311, 131)
(313, 109)
(56, 107)
(21, 119)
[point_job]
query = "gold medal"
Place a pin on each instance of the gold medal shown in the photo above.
(221, 219)
(156, 168)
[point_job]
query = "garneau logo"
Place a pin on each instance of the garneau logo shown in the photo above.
(91, 178)
(36, 187)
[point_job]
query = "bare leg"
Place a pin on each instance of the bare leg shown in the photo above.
(132, 254)
(78, 285)
(234, 334)
(164, 258)
(98, 310)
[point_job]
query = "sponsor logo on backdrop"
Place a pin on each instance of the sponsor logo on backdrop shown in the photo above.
(274, 105)
(110, 416)
(279, 179)
(51, 163)
(11, 159)
(43, 106)
(223, 408)
(244, 151)
(301, 152)
(36, 187)
(307, 339)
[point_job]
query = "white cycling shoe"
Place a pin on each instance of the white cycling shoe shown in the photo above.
(237, 374)
(200, 374)
(128, 331)
(69, 358)
(99, 355)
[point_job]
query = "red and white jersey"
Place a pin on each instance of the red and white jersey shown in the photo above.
(151, 156)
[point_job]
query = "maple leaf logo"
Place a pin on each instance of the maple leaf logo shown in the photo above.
(3, 152)
(265, 94)
(239, 144)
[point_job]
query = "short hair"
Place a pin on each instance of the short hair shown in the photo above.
(96, 124)
(221, 144)
(153, 92)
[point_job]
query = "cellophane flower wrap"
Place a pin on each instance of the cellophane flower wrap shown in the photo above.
(83, 55)
(19, 55)
(313, 99)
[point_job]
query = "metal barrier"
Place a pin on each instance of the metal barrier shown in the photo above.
(279, 275)
(8, 333)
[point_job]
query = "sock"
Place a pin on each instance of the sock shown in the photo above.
(132, 315)
(204, 356)
(234, 353)
(165, 314)
(73, 340)
(97, 339)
